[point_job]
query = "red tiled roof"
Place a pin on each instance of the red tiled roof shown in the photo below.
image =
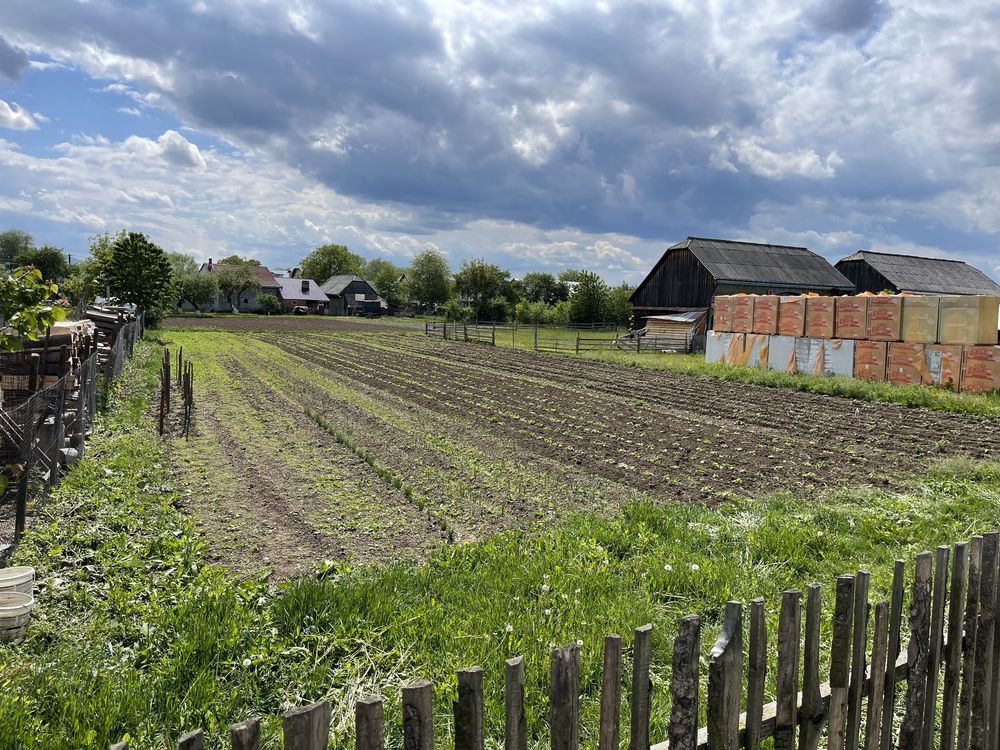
(263, 273)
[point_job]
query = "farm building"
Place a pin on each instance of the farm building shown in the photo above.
(879, 272)
(692, 272)
(249, 299)
(296, 292)
(352, 295)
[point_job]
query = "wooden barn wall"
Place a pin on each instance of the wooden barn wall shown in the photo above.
(680, 281)
(864, 277)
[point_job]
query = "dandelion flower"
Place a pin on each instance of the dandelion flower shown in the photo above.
(668, 567)
(695, 567)
(509, 628)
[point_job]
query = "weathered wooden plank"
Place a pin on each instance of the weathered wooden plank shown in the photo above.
(191, 741)
(564, 698)
(812, 716)
(859, 645)
(725, 674)
(840, 663)
(120, 745)
(756, 674)
(787, 682)
(994, 682)
(971, 623)
(876, 682)
(418, 715)
(246, 735)
(515, 721)
(642, 689)
(611, 694)
(895, 621)
(916, 654)
(953, 650)
(935, 644)
(979, 730)
(683, 728)
(469, 710)
(369, 724)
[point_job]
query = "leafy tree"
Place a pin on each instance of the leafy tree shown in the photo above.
(572, 275)
(234, 280)
(480, 283)
(137, 271)
(543, 287)
(530, 312)
(454, 310)
(386, 278)
(236, 260)
(26, 306)
(269, 304)
(197, 289)
(559, 314)
(589, 300)
(14, 242)
(51, 261)
(182, 263)
(428, 279)
(331, 260)
(619, 309)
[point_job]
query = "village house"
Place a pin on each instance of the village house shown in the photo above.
(249, 299)
(352, 295)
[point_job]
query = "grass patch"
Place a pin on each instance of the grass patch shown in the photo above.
(136, 636)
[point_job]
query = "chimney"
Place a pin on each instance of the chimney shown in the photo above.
(209, 264)
(305, 285)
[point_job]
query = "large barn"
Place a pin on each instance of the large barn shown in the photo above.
(880, 272)
(692, 272)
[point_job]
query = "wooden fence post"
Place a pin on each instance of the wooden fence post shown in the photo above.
(916, 654)
(756, 673)
(789, 635)
(859, 645)
(611, 694)
(971, 627)
(307, 727)
(245, 736)
(564, 698)
(982, 677)
(939, 587)
(469, 710)
(876, 685)
(515, 724)
(953, 654)
(840, 659)
(418, 716)
(725, 673)
(684, 682)
(641, 689)
(191, 741)
(812, 715)
(895, 621)
(369, 731)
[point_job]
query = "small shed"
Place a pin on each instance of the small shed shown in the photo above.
(692, 272)
(880, 272)
(296, 292)
(352, 295)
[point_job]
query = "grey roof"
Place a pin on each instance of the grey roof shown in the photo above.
(335, 285)
(757, 263)
(291, 289)
(912, 273)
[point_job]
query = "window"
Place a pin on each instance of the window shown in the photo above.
(246, 301)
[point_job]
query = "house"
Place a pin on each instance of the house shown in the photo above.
(249, 299)
(352, 295)
(879, 272)
(306, 293)
(692, 272)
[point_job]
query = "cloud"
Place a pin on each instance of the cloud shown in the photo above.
(13, 61)
(14, 117)
(847, 16)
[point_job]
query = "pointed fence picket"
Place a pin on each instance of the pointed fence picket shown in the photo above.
(950, 667)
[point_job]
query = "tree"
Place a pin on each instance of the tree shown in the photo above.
(619, 304)
(51, 261)
(386, 278)
(543, 287)
(234, 280)
(14, 242)
(572, 275)
(197, 289)
(182, 263)
(236, 260)
(427, 281)
(269, 304)
(481, 283)
(589, 300)
(330, 260)
(26, 306)
(138, 272)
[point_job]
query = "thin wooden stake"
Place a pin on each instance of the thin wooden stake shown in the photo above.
(971, 626)
(813, 714)
(418, 716)
(515, 723)
(916, 654)
(564, 698)
(876, 685)
(756, 674)
(611, 694)
(684, 681)
(642, 689)
(789, 636)
(859, 645)
(895, 621)
(840, 662)
(953, 652)
(725, 672)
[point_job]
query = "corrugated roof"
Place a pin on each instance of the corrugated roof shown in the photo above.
(337, 284)
(913, 273)
(684, 317)
(291, 289)
(757, 263)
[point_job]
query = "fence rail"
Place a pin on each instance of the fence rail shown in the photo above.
(875, 697)
(562, 339)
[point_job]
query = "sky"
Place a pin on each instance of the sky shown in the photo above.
(540, 136)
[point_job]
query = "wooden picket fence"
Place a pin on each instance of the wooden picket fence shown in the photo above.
(951, 671)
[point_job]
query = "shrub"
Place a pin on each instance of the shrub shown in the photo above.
(269, 304)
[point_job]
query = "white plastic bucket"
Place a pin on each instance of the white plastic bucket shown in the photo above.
(15, 610)
(20, 579)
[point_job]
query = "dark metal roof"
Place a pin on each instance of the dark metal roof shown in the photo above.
(757, 263)
(912, 273)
